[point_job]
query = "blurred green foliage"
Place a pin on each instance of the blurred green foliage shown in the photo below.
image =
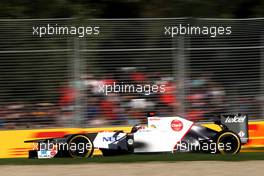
(130, 8)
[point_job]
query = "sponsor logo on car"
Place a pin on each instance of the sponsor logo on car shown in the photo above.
(241, 134)
(111, 138)
(53, 152)
(44, 154)
(176, 125)
(235, 119)
(154, 118)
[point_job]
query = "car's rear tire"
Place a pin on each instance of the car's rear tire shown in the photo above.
(230, 141)
(80, 146)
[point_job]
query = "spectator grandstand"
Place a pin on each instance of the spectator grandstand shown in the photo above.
(55, 81)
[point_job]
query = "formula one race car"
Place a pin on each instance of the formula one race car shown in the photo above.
(161, 134)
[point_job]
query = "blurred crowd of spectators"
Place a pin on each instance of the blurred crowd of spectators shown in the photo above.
(203, 99)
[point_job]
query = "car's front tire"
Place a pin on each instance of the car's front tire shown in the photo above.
(80, 146)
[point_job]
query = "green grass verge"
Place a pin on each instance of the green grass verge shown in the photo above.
(136, 158)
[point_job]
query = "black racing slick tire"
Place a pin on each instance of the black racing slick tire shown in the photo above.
(228, 143)
(80, 146)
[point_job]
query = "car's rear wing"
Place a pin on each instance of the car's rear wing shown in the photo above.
(237, 123)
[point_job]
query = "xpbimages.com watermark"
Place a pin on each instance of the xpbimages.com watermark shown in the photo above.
(212, 147)
(80, 147)
(187, 29)
(55, 30)
(181, 146)
(147, 89)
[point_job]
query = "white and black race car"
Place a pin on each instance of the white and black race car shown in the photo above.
(160, 134)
